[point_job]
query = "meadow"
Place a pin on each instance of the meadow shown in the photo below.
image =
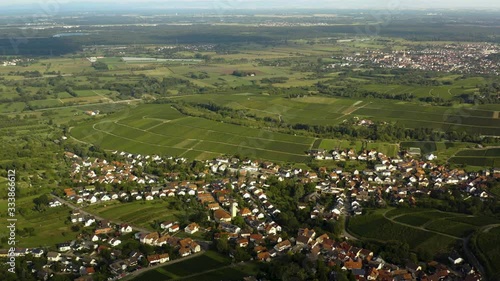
(51, 226)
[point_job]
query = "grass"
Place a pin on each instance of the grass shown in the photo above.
(488, 243)
(161, 129)
(140, 213)
(375, 226)
(208, 261)
(51, 226)
(238, 272)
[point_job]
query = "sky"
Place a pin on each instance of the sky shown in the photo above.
(263, 4)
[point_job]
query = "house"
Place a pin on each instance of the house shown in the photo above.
(222, 216)
(174, 228)
(242, 242)
(37, 252)
(192, 228)
(114, 242)
(150, 238)
(154, 259)
(184, 252)
(264, 256)
(284, 245)
(166, 224)
(53, 256)
(455, 258)
(125, 228)
(63, 247)
(89, 221)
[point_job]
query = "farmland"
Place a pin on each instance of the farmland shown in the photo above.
(321, 110)
(477, 157)
(140, 213)
(488, 244)
(420, 228)
(169, 133)
(206, 262)
(161, 129)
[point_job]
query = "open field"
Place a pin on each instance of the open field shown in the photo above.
(332, 111)
(488, 243)
(488, 157)
(208, 261)
(168, 132)
(420, 228)
(140, 213)
(51, 226)
(238, 272)
(446, 92)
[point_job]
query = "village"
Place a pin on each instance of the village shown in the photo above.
(473, 58)
(237, 190)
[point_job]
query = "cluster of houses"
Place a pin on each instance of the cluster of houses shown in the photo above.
(461, 58)
(399, 178)
(366, 265)
(14, 62)
(92, 171)
(347, 154)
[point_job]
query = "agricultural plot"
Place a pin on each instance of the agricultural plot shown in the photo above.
(420, 228)
(236, 272)
(441, 118)
(451, 227)
(208, 261)
(446, 92)
(488, 243)
(164, 130)
(476, 161)
(138, 213)
(376, 227)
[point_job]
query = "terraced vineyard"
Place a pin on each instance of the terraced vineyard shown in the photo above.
(420, 228)
(160, 129)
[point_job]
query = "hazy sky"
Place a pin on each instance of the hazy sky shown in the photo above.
(259, 4)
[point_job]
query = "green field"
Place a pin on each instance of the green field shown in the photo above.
(445, 92)
(317, 110)
(207, 261)
(140, 213)
(420, 228)
(160, 129)
(488, 243)
(51, 226)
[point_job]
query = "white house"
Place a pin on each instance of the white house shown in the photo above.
(125, 228)
(114, 242)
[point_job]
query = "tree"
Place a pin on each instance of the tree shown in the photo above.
(41, 202)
